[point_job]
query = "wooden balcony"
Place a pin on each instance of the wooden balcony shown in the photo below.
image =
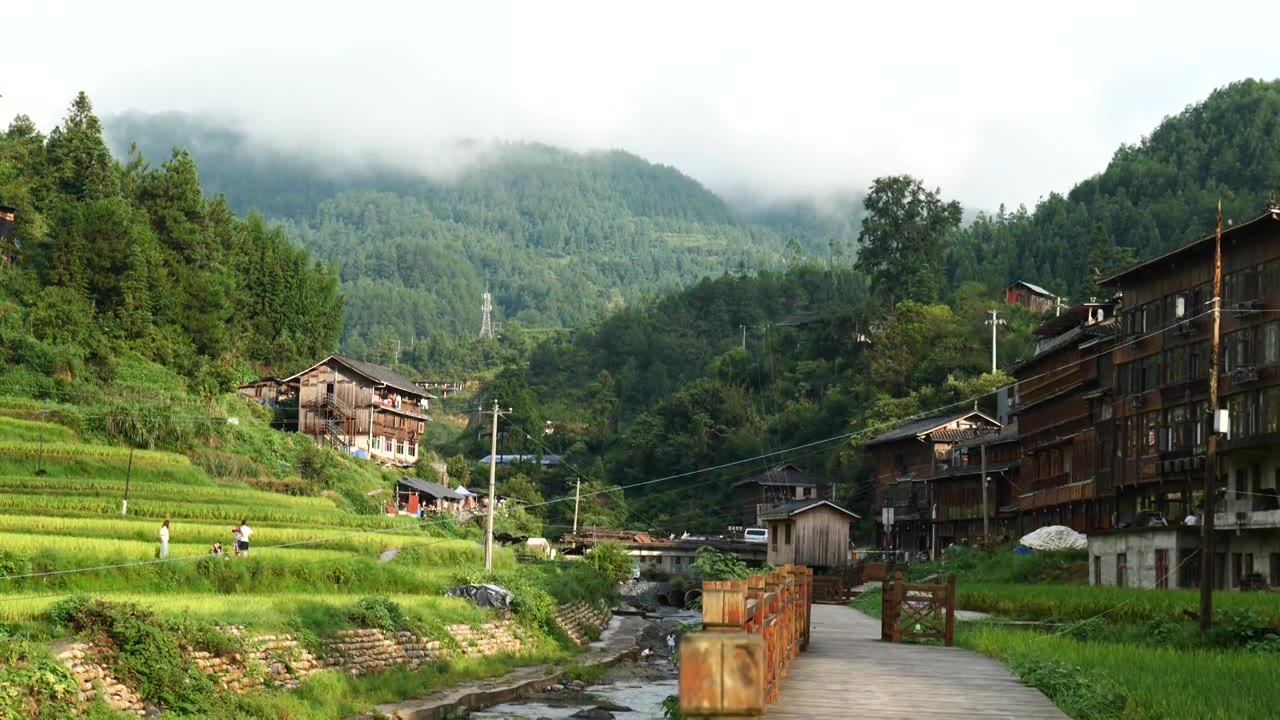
(1077, 492)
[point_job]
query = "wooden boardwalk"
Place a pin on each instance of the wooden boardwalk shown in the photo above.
(848, 673)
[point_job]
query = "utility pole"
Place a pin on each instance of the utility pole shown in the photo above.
(493, 478)
(577, 495)
(986, 529)
(1207, 551)
(124, 504)
(994, 321)
(744, 336)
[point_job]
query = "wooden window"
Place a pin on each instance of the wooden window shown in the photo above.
(1270, 354)
(1122, 568)
(788, 525)
(1175, 365)
(413, 450)
(1269, 278)
(1162, 569)
(1176, 422)
(377, 443)
(1271, 409)
(1151, 372)
(1201, 296)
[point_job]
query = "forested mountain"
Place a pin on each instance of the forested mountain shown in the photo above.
(664, 390)
(557, 237)
(110, 258)
(1152, 196)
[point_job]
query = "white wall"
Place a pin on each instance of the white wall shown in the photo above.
(1140, 551)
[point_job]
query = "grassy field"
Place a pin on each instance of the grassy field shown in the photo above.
(1114, 653)
(315, 559)
(60, 515)
(1097, 680)
(1073, 603)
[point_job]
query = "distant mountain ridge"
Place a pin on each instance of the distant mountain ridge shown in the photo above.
(557, 236)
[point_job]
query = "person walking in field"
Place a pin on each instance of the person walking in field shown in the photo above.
(164, 539)
(235, 542)
(245, 532)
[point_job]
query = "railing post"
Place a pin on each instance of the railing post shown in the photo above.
(951, 609)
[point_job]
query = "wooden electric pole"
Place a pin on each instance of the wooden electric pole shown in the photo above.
(1207, 557)
(577, 495)
(986, 529)
(493, 476)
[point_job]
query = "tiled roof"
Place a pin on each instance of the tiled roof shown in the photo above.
(919, 427)
(784, 476)
(796, 507)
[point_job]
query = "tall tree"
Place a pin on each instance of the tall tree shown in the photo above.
(903, 243)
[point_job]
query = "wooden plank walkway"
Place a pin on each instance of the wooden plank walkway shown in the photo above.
(848, 673)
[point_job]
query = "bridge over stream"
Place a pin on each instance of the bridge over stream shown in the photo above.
(767, 649)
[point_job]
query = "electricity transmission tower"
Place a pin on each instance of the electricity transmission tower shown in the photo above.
(486, 325)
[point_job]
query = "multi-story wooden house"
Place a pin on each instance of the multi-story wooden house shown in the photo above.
(366, 409)
(957, 490)
(905, 460)
(1162, 361)
(776, 486)
(1063, 403)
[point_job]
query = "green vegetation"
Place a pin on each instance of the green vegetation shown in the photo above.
(558, 237)
(115, 258)
(611, 560)
(1153, 196)
(1111, 680)
(72, 564)
(1104, 653)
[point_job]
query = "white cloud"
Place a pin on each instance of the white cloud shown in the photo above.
(994, 102)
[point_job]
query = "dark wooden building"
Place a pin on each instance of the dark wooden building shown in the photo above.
(266, 391)
(1032, 297)
(773, 487)
(369, 410)
(1063, 404)
(809, 532)
(957, 490)
(906, 459)
(1162, 361)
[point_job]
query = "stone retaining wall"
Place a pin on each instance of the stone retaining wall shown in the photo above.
(281, 661)
(581, 621)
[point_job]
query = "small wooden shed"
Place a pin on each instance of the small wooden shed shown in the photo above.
(431, 497)
(809, 532)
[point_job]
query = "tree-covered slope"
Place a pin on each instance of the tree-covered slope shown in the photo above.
(557, 237)
(110, 258)
(1152, 196)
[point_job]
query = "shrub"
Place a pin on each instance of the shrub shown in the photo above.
(378, 613)
(712, 564)
(611, 560)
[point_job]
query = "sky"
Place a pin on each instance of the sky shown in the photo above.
(994, 102)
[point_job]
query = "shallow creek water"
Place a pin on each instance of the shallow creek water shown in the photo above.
(644, 698)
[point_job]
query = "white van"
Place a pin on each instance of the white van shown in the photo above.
(756, 535)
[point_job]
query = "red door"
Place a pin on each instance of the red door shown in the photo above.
(413, 504)
(1162, 569)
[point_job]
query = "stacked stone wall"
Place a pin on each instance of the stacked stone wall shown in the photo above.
(281, 661)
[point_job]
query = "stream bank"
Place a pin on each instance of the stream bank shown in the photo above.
(634, 687)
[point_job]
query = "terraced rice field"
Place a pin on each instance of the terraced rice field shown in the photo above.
(62, 532)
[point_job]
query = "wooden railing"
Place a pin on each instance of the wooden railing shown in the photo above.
(918, 610)
(752, 630)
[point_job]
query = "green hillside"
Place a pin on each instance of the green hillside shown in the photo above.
(1152, 196)
(557, 236)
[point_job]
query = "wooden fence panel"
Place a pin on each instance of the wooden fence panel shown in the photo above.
(924, 611)
(753, 629)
